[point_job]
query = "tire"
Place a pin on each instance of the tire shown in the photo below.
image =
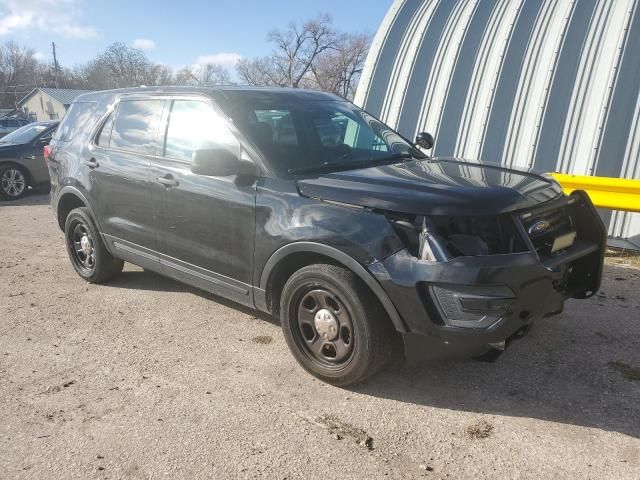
(89, 257)
(334, 325)
(14, 182)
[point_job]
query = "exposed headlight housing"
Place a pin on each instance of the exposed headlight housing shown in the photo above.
(441, 238)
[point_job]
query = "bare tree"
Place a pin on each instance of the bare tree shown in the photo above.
(123, 66)
(339, 69)
(208, 74)
(295, 50)
(260, 72)
(298, 47)
(18, 73)
(309, 55)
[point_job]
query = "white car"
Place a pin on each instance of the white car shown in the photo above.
(8, 125)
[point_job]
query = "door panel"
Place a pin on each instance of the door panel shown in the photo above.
(205, 225)
(120, 176)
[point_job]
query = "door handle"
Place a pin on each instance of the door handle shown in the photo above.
(92, 163)
(29, 157)
(168, 181)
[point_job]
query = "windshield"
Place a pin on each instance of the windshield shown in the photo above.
(26, 134)
(319, 136)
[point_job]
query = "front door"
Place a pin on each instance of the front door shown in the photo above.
(205, 225)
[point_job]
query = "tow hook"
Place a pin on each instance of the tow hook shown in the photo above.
(498, 348)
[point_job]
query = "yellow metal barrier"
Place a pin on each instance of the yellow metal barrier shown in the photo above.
(605, 192)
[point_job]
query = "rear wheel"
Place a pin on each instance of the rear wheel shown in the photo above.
(334, 326)
(13, 182)
(86, 250)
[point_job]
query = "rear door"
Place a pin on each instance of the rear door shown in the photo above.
(119, 164)
(205, 225)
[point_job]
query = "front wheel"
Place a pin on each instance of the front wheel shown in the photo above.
(87, 252)
(334, 326)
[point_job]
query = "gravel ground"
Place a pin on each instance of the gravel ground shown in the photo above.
(147, 378)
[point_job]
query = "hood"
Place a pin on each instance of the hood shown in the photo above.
(435, 186)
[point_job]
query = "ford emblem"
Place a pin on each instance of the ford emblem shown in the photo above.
(539, 227)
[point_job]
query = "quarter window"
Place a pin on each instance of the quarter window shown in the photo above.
(194, 125)
(135, 125)
(76, 117)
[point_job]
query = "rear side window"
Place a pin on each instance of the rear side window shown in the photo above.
(194, 125)
(135, 124)
(76, 117)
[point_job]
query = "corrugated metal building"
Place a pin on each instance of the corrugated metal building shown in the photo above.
(548, 84)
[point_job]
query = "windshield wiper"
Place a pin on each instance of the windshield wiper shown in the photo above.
(365, 162)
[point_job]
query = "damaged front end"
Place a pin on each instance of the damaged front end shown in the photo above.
(465, 285)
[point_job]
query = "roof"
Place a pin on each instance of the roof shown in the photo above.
(66, 96)
(230, 92)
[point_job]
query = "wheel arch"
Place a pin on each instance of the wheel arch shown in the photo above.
(293, 256)
(69, 198)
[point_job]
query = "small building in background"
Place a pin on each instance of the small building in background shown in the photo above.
(47, 103)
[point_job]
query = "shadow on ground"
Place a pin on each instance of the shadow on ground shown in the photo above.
(154, 282)
(32, 197)
(567, 370)
(564, 371)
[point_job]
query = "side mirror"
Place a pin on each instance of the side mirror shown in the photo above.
(425, 140)
(220, 162)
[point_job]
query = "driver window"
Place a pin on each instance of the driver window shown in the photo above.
(194, 125)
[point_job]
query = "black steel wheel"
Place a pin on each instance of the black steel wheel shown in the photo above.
(86, 250)
(334, 326)
(323, 328)
(83, 253)
(13, 182)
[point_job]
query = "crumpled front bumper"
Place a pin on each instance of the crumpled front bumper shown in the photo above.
(540, 288)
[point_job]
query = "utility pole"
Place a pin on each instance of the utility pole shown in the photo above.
(55, 65)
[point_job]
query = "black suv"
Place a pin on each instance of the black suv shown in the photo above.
(302, 205)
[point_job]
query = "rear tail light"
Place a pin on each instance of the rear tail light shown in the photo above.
(47, 151)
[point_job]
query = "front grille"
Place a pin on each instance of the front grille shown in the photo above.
(557, 221)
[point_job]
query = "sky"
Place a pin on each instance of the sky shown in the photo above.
(171, 32)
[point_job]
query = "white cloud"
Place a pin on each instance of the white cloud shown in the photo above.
(55, 16)
(225, 59)
(144, 44)
(39, 56)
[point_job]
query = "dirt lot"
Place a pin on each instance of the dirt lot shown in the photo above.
(146, 378)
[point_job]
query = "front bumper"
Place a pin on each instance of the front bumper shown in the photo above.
(539, 289)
